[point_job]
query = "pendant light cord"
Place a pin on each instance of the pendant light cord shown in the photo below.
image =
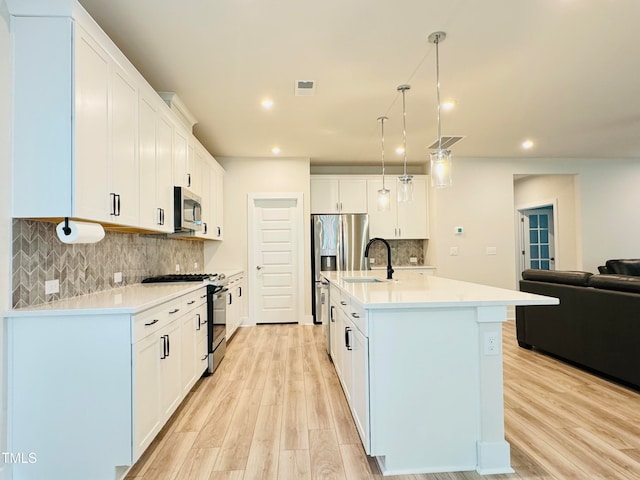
(403, 88)
(437, 42)
(382, 119)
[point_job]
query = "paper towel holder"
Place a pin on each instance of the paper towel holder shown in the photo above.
(66, 229)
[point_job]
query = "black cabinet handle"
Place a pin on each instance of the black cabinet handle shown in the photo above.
(205, 228)
(174, 311)
(169, 347)
(113, 203)
(331, 313)
(160, 216)
(164, 347)
(155, 320)
(343, 303)
(230, 298)
(347, 343)
(198, 324)
(202, 322)
(355, 315)
(204, 358)
(191, 302)
(203, 296)
(219, 231)
(239, 291)
(188, 179)
(118, 204)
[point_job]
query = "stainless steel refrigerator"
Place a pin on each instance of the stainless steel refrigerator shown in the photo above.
(337, 243)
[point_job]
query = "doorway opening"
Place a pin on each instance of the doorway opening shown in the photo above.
(537, 237)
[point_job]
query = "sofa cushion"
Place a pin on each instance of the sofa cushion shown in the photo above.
(621, 283)
(627, 266)
(566, 277)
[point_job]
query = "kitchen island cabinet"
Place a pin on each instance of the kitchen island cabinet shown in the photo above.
(93, 379)
(421, 366)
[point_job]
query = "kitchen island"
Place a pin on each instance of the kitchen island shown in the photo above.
(420, 361)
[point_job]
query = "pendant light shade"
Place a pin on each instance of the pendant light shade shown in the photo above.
(441, 158)
(405, 182)
(384, 194)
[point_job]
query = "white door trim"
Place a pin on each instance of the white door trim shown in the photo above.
(251, 261)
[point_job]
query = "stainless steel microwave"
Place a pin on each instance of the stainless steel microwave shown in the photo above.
(187, 211)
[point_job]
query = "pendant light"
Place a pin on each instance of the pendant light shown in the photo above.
(441, 158)
(384, 194)
(405, 182)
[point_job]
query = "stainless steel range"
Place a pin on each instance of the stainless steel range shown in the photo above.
(216, 310)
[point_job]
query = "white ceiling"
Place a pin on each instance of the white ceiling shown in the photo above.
(565, 73)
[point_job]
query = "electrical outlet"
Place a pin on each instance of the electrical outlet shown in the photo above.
(453, 251)
(195, 266)
(51, 287)
(491, 343)
(177, 267)
(413, 260)
(117, 277)
(372, 260)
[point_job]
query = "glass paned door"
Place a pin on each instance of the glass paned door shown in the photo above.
(538, 247)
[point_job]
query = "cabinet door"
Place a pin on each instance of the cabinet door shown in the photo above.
(333, 330)
(170, 344)
(412, 217)
(206, 201)
(195, 160)
(180, 153)
(324, 195)
(164, 180)
(147, 412)
(353, 195)
(92, 198)
(124, 158)
(147, 154)
(382, 224)
(218, 186)
(190, 325)
(347, 360)
(360, 383)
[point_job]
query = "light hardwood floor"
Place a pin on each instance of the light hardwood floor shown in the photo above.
(275, 410)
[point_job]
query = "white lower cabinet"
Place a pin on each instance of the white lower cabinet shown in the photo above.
(351, 360)
(109, 380)
(235, 301)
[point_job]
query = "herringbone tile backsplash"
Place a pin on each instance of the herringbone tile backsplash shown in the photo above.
(38, 256)
(401, 252)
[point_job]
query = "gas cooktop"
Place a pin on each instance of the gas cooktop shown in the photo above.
(184, 277)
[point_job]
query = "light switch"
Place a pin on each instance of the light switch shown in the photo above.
(492, 251)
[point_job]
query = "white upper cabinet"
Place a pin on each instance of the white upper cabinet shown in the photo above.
(330, 194)
(92, 140)
(75, 125)
(401, 221)
(155, 146)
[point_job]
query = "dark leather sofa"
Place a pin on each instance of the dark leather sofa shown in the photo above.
(596, 325)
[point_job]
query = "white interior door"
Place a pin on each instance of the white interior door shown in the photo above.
(275, 257)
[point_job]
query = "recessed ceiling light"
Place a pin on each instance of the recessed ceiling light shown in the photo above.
(527, 144)
(448, 105)
(400, 150)
(275, 150)
(267, 103)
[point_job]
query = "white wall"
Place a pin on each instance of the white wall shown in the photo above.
(5, 221)
(246, 175)
(559, 189)
(482, 201)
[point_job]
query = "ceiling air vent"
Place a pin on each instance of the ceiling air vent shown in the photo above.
(305, 88)
(447, 142)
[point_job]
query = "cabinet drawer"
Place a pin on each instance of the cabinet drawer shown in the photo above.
(192, 300)
(155, 318)
(357, 315)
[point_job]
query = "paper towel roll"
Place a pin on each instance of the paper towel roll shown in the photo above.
(81, 232)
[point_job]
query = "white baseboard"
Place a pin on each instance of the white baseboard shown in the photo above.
(307, 320)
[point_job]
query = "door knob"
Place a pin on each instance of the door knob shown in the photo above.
(259, 267)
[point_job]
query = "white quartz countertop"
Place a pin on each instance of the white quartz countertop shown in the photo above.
(130, 299)
(411, 290)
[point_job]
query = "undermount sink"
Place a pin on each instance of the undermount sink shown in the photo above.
(362, 280)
